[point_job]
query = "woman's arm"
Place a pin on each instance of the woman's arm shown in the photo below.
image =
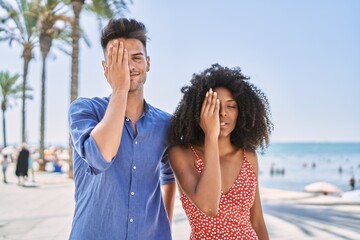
(203, 189)
(256, 213)
(168, 193)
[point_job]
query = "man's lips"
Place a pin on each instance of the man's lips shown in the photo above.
(134, 74)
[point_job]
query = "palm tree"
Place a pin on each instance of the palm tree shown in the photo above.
(19, 25)
(103, 10)
(53, 24)
(10, 91)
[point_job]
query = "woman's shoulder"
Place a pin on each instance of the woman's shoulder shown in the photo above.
(251, 156)
(183, 153)
(178, 149)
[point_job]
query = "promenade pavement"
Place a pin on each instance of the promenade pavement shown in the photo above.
(43, 210)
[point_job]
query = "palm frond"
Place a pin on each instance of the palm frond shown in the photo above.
(120, 7)
(85, 37)
(63, 49)
(20, 22)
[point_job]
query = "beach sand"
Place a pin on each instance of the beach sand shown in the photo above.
(43, 210)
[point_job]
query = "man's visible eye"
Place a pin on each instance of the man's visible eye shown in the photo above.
(137, 59)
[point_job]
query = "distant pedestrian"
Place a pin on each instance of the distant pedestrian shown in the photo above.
(22, 165)
(31, 168)
(4, 165)
(352, 183)
(340, 170)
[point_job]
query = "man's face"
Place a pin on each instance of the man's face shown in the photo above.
(139, 63)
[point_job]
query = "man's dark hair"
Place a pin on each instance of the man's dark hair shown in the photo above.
(253, 126)
(123, 28)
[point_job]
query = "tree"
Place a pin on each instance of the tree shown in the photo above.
(53, 25)
(103, 10)
(10, 92)
(19, 25)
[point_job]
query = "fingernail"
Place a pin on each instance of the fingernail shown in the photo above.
(210, 90)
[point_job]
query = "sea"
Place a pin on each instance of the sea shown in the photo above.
(292, 166)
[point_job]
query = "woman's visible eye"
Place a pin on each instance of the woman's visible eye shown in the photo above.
(231, 106)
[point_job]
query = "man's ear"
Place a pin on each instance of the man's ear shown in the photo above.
(147, 63)
(103, 63)
(105, 68)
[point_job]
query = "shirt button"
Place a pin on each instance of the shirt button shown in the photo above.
(132, 193)
(135, 142)
(131, 220)
(126, 119)
(134, 167)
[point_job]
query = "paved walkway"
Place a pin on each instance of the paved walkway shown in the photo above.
(43, 210)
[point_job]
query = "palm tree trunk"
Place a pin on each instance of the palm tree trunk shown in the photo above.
(4, 127)
(77, 6)
(45, 46)
(27, 58)
(42, 114)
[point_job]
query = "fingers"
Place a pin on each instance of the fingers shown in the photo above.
(114, 52)
(125, 59)
(204, 102)
(217, 106)
(120, 53)
(108, 55)
(211, 103)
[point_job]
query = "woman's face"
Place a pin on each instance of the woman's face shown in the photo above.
(228, 111)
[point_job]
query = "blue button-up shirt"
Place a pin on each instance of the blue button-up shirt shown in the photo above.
(120, 199)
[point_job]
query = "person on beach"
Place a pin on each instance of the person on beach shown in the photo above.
(352, 183)
(124, 185)
(22, 164)
(31, 167)
(4, 166)
(219, 123)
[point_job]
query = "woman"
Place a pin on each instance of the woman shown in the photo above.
(217, 126)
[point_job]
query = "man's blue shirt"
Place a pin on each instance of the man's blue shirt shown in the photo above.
(121, 199)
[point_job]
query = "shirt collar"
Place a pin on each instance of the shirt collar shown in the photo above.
(147, 107)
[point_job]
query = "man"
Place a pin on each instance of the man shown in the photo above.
(120, 156)
(22, 164)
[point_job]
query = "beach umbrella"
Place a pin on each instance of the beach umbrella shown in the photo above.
(8, 150)
(322, 187)
(352, 195)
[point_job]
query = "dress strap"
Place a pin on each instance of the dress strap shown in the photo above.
(198, 163)
(195, 153)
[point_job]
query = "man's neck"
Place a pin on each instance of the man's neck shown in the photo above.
(135, 106)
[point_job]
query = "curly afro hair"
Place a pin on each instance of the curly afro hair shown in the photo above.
(253, 126)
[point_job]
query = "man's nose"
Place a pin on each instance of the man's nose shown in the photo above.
(131, 65)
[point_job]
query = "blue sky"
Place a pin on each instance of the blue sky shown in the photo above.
(305, 55)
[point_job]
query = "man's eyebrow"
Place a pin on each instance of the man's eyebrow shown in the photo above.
(137, 54)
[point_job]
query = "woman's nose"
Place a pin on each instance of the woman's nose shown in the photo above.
(222, 111)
